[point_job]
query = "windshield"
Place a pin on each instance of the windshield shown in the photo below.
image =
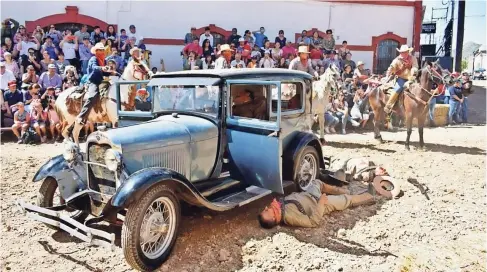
(191, 98)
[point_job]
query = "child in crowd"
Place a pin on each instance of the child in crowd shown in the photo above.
(38, 119)
(21, 122)
(54, 121)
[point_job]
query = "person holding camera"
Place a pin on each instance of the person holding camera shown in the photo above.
(30, 76)
(27, 48)
(69, 45)
(54, 34)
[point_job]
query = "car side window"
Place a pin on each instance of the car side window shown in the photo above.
(249, 101)
(292, 98)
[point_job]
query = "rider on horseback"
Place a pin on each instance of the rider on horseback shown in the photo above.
(405, 68)
(96, 71)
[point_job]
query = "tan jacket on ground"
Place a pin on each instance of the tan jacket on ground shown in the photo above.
(402, 68)
(313, 212)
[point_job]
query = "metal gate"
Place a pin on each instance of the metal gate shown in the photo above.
(386, 53)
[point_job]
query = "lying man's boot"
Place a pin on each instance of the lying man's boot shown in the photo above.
(362, 199)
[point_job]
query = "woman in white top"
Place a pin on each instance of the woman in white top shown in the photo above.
(276, 52)
(266, 61)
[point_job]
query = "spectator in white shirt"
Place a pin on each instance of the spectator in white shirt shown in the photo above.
(132, 33)
(69, 44)
(266, 61)
(206, 35)
(5, 76)
(238, 62)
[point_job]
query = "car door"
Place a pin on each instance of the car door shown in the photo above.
(254, 145)
(128, 91)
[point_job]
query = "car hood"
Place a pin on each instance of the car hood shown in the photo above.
(163, 131)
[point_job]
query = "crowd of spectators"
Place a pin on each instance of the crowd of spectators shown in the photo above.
(36, 67)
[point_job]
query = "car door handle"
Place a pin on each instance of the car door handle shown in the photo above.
(274, 134)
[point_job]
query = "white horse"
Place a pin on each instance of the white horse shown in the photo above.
(321, 93)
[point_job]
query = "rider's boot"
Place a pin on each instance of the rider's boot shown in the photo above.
(362, 199)
(390, 103)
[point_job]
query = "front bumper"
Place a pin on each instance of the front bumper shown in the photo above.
(54, 217)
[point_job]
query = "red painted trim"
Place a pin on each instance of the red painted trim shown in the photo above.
(157, 41)
(213, 29)
(400, 3)
(71, 16)
(418, 21)
(388, 36)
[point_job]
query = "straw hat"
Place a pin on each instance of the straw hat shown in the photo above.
(98, 46)
(386, 186)
(303, 49)
(404, 48)
(225, 47)
(134, 49)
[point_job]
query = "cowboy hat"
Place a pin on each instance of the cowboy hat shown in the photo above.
(404, 48)
(225, 47)
(360, 63)
(98, 46)
(303, 49)
(386, 186)
(134, 49)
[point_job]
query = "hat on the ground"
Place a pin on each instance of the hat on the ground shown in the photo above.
(134, 49)
(225, 47)
(98, 46)
(51, 66)
(360, 63)
(404, 48)
(12, 82)
(386, 186)
(303, 49)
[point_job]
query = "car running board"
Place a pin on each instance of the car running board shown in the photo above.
(241, 198)
(66, 223)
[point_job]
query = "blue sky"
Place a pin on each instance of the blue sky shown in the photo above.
(475, 20)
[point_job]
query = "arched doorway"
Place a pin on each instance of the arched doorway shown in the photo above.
(386, 53)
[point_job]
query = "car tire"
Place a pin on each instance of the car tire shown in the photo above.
(45, 199)
(136, 253)
(304, 173)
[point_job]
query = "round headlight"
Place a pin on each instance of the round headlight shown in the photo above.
(113, 159)
(70, 150)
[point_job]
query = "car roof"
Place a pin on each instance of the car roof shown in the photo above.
(225, 73)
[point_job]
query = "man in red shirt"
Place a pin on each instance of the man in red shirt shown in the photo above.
(195, 47)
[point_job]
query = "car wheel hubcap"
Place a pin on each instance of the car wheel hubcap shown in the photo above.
(157, 227)
(308, 171)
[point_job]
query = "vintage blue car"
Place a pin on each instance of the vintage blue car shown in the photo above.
(213, 138)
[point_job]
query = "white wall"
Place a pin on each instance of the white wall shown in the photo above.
(356, 23)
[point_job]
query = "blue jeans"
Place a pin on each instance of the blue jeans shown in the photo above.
(464, 112)
(330, 120)
(399, 87)
(84, 66)
(447, 100)
(432, 105)
(344, 118)
(452, 111)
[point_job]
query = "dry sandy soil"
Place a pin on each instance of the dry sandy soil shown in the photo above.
(442, 229)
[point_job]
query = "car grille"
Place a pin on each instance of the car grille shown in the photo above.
(100, 178)
(175, 159)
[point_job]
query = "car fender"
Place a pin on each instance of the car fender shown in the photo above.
(299, 141)
(70, 180)
(140, 181)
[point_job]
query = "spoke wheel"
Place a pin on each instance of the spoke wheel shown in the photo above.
(50, 196)
(306, 167)
(150, 228)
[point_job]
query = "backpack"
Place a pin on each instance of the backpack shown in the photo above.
(30, 137)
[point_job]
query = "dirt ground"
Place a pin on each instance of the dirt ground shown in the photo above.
(442, 229)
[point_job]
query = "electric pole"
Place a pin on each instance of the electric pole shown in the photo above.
(460, 31)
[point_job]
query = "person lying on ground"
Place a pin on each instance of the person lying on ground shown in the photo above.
(359, 169)
(306, 209)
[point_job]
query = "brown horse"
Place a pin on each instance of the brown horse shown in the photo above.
(413, 103)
